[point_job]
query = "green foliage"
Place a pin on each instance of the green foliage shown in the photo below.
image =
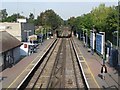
(111, 23)
(37, 32)
(72, 23)
(31, 18)
(99, 16)
(11, 18)
(51, 19)
(102, 18)
(3, 14)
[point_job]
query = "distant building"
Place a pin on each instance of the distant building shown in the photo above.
(27, 29)
(19, 30)
(9, 50)
(21, 20)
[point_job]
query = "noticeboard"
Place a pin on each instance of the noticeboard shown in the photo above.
(100, 43)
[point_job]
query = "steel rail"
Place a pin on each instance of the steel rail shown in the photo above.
(71, 50)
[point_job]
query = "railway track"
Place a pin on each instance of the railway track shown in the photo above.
(41, 76)
(59, 68)
(57, 77)
(31, 80)
(66, 73)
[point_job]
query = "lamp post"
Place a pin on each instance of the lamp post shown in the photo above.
(118, 25)
(104, 48)
(118, 40)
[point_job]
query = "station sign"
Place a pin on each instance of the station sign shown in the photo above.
(100, 43)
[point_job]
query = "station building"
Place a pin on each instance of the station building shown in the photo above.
(9, 50)
(19, 30)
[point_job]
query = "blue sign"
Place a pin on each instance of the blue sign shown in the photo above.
(99, 43)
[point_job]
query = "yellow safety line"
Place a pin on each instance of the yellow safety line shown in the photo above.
(25, 69)
(89, 69)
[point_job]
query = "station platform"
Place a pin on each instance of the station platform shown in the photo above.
(11, 77)
(94, 62)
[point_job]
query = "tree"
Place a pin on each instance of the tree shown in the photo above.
(99, 15)
(71, 22)
(41, 19)
(111, 23)
(31, 18)
(50, 19)
(3, 14)
(13, 18)
(102, 18)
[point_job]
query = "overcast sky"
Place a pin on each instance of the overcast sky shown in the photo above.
(65, 9)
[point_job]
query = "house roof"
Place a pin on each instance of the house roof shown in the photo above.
(8, 41)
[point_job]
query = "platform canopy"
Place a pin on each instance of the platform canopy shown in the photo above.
(8, 42)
